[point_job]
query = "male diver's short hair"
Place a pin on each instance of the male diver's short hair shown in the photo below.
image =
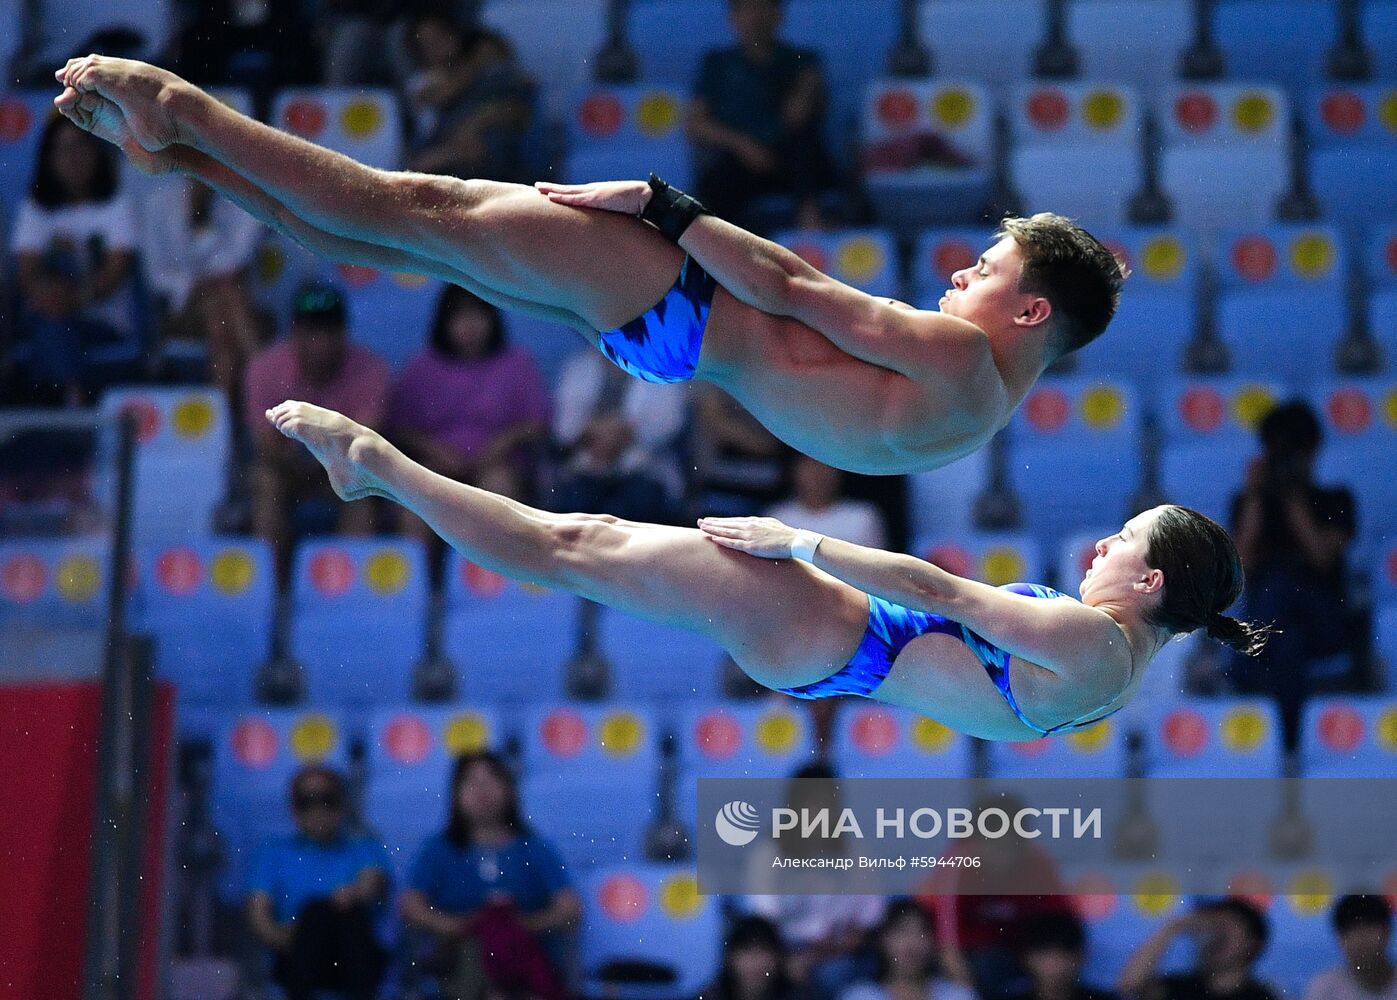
(1073, 270)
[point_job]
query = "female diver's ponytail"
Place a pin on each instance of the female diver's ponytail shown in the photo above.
(1247, 638)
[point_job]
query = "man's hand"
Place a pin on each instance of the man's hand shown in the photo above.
(628, 197)
(764, 537)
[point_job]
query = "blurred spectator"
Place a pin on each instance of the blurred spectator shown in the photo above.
(362, 42)
(317, 363)
(619, 440)
(197, 249)
(259, 44)
(74, 242)
(1293, 536)
(907, 962)
(757, 120)
(469, 405)
(1364, 928)
(313, 898)
(754, 958)
(1231, 936)
(493, 895)
(738, 463)
(825, 933)
(469, 101)
(818, 503)
(1052, 949)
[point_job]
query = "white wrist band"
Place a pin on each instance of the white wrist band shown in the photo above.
(805, 544)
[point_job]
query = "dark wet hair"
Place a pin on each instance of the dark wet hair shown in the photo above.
(1074, 270)
(458, 825)
(1258, 927)
(1361, 911)
(452, 299)
(47, 190)
(1202, 579)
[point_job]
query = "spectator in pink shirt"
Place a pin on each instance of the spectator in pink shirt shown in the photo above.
(469, 405)
(316, 363)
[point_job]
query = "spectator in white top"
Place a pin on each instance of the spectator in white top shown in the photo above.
(1364, 927)
(74, 244)
(617, 439)
(818, 503)
(197, 251)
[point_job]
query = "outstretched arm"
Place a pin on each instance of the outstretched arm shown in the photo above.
(1060, 636)
(769, 277)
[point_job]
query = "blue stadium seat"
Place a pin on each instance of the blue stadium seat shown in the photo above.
(557, 42)
(1355, 153)
(185, 439)
(671, 36)
(359, 618)
(927, 150)
(1077, 150)
(1206, 738)
(658, 663)
(1380, 36)
(549, 344)
(22, 118)
(411, 750)
(1074, 455)
(1286, 41)
(1158, 314)
(864, 258)
(390, 312)
(652, 913)
(1349, 737)
(628, 131)
(992, 43)
(1120, 911)
(1382, 323)
(1209, 432)
(1360, 422)
(1226, 155)
(1385, 639)
(1095, 752)
(509, 640)
(278, 268)
(995, 558)
(1385, 572)
(1135, 43)
(53, 583)
(880, 741)
(577, 756)
(1303, 941)
(256, 754)
(362, 123)
(943, 500)
(209, 605)
(1283, 309)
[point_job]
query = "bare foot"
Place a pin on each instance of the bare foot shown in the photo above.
(136, 88)
(94, 113)
(345, 448)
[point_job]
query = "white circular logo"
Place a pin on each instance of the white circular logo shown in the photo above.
(737, 823)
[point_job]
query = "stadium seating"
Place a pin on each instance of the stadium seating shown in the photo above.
(628, 131)
(1360, 422)
(1381, 273)
(363, 124)
(184, 440)
(995, 558)
(943, 500)
(1209, 431)
(1226, 157)
(1385, 572)
(1075, 456)
(1077, 150)
(653, 914)
(927, 150)
(208, 603)
(359, 618)
(1094, 752)
(411, 750)
(279, 266)
(390, 312)
(991, 43)
(1138, 44)
(671, 36)
(1353, 134)
(22, 118)
(1297, 904)
(1122, 909)
(53, 583)
(1385, 641)
(556, 40)
(879, 741)
(1282, 40)
(1158, 314)
(575, 757)
(1349, 737)
(1379, 22)
(1204, 738)
(864, 258)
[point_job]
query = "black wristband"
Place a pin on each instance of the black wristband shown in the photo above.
(670, 210)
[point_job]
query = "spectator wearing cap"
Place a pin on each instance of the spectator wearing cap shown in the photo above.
(314, 898)
(1364, 928)
(316, 363)
(1231, 935)
(1052, 949)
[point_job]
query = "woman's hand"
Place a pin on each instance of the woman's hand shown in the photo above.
(764, 537)
(628, 197)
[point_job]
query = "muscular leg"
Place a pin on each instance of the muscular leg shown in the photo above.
(784, 622)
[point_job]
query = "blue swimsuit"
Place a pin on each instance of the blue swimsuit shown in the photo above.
(663, 344)
(891, 627)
